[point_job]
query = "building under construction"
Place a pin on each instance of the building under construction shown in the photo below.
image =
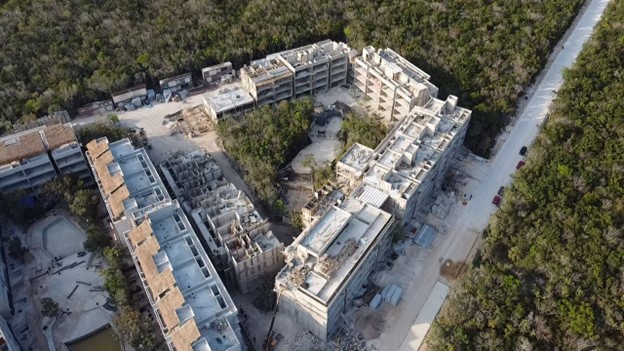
(293, 73)
(240, 243)
(328, 265)
(190, 303)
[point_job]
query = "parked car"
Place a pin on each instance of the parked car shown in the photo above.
(523, 150)
(501, 190)
(496, 201)
(520, 164)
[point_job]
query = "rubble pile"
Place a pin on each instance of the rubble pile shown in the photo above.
(349, 340)
(305, 341)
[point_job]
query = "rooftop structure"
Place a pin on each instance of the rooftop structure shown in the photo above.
(32, 157)
(239, 240)
(413, 158)
(353, 164)
(191, 304)
(193, 309)
(323, 200)
(296, 72)
(329, 262)
(391, 84)
(126, 177)
(228, 99)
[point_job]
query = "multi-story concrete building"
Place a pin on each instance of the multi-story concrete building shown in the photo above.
(268, 81)
(316, 67)
(412, 160)
(329, 263)
(190, 302)
(390, 84)
(239, 241)
(293, 73)
(192, 307)
(33, 157)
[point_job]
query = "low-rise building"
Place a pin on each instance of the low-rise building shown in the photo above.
(125, 96)
(190, 302)
(316, 67)
(328, 265)
(390, 84)
(229, 99)
(183, 81)
(215, 74)
(239, 241)
(33, 157)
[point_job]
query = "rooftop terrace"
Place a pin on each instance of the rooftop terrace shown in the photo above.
(357, 156)
(265, 70)
(333, 246)
(228, 97)
(185, 288)
(402, 160)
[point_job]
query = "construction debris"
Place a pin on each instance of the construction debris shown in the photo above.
(190, 122)
(305, 341)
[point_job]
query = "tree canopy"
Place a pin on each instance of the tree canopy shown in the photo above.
(551, 272)
(265, 139)
(63, 54)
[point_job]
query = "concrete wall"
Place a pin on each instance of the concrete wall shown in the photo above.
(322, 320)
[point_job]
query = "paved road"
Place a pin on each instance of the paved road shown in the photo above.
(456, 244)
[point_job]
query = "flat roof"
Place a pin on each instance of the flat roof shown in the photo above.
(321, 234)
(196, 295)
(228, 97)
(127, 175)
(266, 69)
(357, 156)
(217, 66)
(405, 156)
(58, 135)
(337, 243)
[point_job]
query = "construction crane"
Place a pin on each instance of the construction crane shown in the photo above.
(271, 340)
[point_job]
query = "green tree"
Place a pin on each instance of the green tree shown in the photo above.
(16, 250)
(550, 270)
(96, 239)
(50, 307)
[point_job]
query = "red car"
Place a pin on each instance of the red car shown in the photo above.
(496, 201)
(520, 164)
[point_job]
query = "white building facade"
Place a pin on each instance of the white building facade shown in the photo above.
(192, 306)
